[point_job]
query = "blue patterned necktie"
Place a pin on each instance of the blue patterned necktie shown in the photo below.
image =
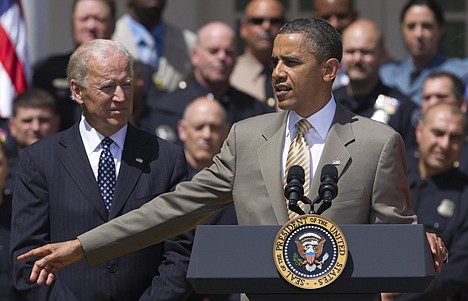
(106, 173)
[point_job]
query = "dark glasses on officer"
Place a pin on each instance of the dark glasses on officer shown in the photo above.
(259, 21)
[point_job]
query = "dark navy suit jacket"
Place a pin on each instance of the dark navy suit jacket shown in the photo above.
(57, 198)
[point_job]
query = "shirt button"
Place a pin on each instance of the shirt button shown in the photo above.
(112, 268)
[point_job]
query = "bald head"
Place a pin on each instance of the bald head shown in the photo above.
(204, 105)
(364, 29)
(256, 6)
(215, 30)
(214, 56)
(203, 130)
(363, 54)
(260, 24)
(339, 13)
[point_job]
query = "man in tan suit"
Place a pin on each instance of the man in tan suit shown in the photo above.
(249, 169)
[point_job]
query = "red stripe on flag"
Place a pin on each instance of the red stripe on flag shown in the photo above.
(11, 63)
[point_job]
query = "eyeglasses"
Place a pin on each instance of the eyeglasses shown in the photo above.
(272, 21)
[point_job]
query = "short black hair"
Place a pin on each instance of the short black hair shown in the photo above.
(34, 98)
(457, 85)
(322, 40)
(433, 5)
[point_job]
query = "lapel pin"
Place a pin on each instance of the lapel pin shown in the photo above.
(336, 162)
(139, 160)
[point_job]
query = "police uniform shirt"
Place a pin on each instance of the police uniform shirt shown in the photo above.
(436, 199)
(403, 118)
(165, 112)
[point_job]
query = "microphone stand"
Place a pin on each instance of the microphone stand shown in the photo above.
(294, 207)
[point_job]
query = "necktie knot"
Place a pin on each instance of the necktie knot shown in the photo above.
(303, 126)
(106, 143)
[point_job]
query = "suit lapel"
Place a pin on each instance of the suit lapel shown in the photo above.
(334, 151)
(270, 158)
(135, 157)
(75, 161)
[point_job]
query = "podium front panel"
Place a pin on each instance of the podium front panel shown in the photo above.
(381, 258)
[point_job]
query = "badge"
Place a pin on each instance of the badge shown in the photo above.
(384, 107)
(166, 132)
(446, 208)
(310, 251)
(271, 102)
(60, 83)
(158, 82)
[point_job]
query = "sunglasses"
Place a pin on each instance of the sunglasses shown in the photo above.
(259, 21)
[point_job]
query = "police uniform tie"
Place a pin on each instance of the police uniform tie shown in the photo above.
(106, 173)
(299, 154)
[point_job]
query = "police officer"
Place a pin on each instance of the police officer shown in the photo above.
(438, 193)
(366, 95)
(213, 60)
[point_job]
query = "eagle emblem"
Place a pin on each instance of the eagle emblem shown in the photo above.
(310, 249)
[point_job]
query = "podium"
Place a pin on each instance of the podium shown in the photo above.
(381, 258)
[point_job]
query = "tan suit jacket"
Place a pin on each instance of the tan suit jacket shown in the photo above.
(175, 64)
(372, 184)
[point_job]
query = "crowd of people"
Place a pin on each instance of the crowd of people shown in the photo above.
(146, 130)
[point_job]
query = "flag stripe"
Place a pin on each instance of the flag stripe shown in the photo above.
(11, 63)
(5, 5)
(15, 72)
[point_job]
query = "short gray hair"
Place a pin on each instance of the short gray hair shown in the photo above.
(93, 50)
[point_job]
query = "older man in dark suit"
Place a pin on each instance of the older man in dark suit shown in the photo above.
(250, 168)
(75, 181)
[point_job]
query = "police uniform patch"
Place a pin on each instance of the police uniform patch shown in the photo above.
(166, 132)
(310, 251)
(384, 107)
(446, 208)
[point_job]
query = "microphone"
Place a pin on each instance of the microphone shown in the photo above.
(328, 188)
(294, 190)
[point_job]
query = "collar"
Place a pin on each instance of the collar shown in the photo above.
(158, 33)
(321, 120)
(92, 138)
(435, 61)
(139, 32)
(255, 66)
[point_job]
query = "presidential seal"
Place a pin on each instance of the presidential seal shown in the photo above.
(310, 251)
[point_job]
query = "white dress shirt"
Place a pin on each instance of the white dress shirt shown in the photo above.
(92, 143)
(316, 136)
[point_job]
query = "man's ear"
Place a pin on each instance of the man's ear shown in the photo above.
(330, 69)
(463, 105)
(243, 29)
(76, 92)
(419, 129)
(12, 126)
(181, 128)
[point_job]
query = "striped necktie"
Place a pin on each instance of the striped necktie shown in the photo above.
(299, 154)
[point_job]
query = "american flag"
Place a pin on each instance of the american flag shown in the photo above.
(15, 71)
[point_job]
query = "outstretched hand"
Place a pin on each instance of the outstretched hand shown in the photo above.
(52, 258)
